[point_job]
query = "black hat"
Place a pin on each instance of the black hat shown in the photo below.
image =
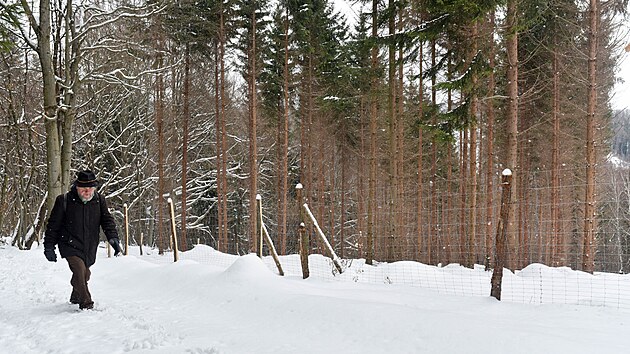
(86, 178)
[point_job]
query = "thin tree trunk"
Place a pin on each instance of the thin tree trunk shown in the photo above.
(433, 217)
(373, 116)
(490, 148)
(448, 237)
(342, 235)
(512, 123)
(70, 90)
(448, 213)
(363, 172)
(557, 242)
(309, 140)
(253, 149)
(401, 220)
(393, 161)
(224, 200)
(159, 122)
(524, 238)
(472, 217)
(284, 145)
(588, 250)
(331, 199)
(465, 246)
(182, 243)
(321, 178)
(420, 206)
(217, 108)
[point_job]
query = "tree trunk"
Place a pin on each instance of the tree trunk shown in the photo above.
(588, 256)
(393, 161)
(342, 235)
(182, 243)
(448, 214)
(49, 94)
(401, 219)
(159, 124)
(222, 141)
(490, 147)
(420, 204)
(71, 88)
(253, 149)
(465, 247)
(433, 209)
(557, 242)
(219, 154)
(321, 178)
(284, 146)
(373, 117)
(512, 121)
(363, 172)
(472, 190)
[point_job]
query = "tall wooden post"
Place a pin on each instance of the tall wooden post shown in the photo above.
(173, 229)
(501, 237)
(260, 225)
(304, 239)
(126, 209)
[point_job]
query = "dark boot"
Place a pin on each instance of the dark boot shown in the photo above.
(86, 305)
(74, 298)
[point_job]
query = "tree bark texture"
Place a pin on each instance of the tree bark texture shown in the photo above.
(588, 249)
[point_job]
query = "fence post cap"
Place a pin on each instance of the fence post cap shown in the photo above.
(299, 186)
(506, 172)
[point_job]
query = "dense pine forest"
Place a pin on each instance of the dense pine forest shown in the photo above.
(397, 119)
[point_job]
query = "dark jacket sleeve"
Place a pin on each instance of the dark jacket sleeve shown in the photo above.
(54, 224)
(108, 224)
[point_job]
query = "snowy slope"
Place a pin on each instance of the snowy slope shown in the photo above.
(144, 306)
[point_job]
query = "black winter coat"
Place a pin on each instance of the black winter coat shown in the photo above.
(75, 226)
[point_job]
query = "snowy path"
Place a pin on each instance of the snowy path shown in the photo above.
(189, 307)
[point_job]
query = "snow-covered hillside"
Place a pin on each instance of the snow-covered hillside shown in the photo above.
(150, 305)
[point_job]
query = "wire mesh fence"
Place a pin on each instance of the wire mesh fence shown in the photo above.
(443, 238)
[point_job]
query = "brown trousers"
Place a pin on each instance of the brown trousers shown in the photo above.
(80, 277)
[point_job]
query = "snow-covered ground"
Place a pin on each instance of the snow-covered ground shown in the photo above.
(147, 304)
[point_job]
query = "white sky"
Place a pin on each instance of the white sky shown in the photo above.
(213, 303)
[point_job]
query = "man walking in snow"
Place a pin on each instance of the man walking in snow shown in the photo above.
(74, 225)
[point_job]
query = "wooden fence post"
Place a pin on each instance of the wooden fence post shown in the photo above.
(173, 229)
(304, 239)
(141, 241)
(501, 237)
(126, 209)
(265, 232)
(260, 223)
(272, 250)
(304, 251)
(327, 245)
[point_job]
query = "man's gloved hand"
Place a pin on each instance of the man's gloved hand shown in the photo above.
(50, 254)
(115, 246)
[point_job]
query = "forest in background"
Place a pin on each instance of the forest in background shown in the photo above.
(398, 125)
